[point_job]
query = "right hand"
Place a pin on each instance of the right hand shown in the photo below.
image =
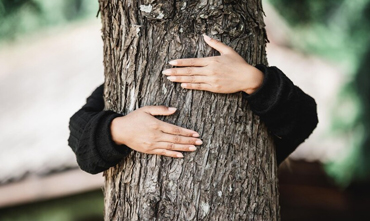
(142, 132)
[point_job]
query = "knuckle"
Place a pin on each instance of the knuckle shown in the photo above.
(191, 141)
(154, 126)
(170, 146)
(176, 139)
(217, 86)
(176, 130)
(189, 70)
(192, 79)
(147, 146)
(192, 62)
(198, 86)
(153, 136)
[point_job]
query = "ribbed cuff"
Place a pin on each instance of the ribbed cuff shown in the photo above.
(265, 96)
(107, 148)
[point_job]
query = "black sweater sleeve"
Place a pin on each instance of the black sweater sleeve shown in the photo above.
(90, 137)
(289, 114)
(287, 111)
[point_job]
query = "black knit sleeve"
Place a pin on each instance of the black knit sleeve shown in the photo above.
(289, 113)
(90, 137)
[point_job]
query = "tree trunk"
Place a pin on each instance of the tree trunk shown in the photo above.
(232, 176)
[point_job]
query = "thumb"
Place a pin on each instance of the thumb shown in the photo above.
(159, 110)
(219, 46)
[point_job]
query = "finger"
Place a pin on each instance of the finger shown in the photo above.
(197, 86)
(190, 62)
(175, 147)
(219, 46)
(168, 153)
(159, 110)
(188, 79)
(185, 71)
(177, 139)
(172, 129)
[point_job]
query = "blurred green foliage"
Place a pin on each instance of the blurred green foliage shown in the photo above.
(336, 29)
(20, 17)
(339, 30)
(307, 12)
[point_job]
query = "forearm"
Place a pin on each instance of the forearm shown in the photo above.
(90, 136)
(286, 110)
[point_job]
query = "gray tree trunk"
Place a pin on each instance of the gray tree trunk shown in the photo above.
(232, 176)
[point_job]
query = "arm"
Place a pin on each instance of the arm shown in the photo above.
(289, 113)
(90, 137)
(100, 139)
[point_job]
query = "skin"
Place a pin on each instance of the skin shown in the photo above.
(227, 73)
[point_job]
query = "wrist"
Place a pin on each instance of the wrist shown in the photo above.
(254, 81)
(116, 133)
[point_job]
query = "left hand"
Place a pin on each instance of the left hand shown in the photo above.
(227, 73)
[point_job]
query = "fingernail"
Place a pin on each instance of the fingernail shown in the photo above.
(167, 71)
(196, 135)
(172, 108)
(198, 142)
(179, 155)
(184, 85)
(173, 62)
(171, 78)
(207, 37)
(192, 148)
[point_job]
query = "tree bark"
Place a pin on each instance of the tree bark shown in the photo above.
(232, 176)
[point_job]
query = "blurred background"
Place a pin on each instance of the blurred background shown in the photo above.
(51, 60)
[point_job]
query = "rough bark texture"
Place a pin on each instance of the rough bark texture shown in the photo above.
(232, 176)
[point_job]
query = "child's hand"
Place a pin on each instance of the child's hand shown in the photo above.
(141, 131)
(227, 73)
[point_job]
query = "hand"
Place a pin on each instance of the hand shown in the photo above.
(227, 73)
(141, 131)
